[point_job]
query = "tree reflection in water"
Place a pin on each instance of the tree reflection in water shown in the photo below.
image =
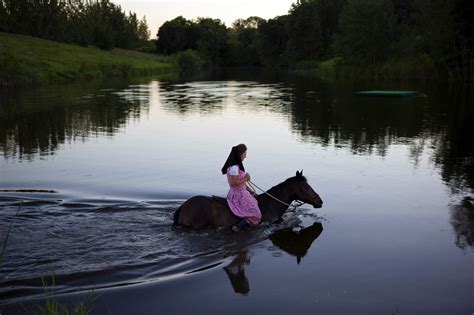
(202, 97)
(39, 121)
(438, 124)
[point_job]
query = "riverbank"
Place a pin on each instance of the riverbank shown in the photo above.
(408, 68)
(30, 61)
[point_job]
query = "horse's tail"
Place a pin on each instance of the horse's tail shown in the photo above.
(176, 216)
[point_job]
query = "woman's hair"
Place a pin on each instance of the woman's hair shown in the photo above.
(241, 148)
(235, 158)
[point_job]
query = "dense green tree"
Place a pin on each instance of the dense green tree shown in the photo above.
(252, 22)
(97, 22)
(312, 25)
(3, 17)
(404, 11)
(176, 35)
(20, 15)
(212, 39)
(446, 34)
(80, 29)
(367, 31)
(329, 12)
(243, 42)
(103, 34)
(464, 11)
(304, 31)
(209, 37)
(142, 32)
(51, 19)
(189, 61)
(273, 42)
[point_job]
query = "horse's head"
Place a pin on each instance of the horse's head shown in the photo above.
(304, 192)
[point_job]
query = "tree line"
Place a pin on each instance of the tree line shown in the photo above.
(85, 22)
(435, 33)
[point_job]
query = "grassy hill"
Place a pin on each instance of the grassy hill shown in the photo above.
(26, 61)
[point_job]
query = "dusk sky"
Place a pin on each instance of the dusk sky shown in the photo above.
(159, 11)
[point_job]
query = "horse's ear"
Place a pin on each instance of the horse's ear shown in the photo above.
(298, 174)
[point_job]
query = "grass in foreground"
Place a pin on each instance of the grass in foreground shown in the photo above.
(5, 241)
(54, 307)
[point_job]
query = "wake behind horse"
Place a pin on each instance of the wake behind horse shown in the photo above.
(200, 212)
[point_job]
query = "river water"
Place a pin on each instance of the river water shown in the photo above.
(90, 176)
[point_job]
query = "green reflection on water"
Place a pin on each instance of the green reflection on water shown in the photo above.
(38, 122)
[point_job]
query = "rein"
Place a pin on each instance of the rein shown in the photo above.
(296, 205)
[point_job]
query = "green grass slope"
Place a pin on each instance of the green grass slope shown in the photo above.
(26, 61)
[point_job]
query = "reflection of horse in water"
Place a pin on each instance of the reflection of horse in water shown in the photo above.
(462, 220)
(296, 243)
(201, 211)
(236, 272)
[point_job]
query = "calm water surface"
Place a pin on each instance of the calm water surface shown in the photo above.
(99, 171)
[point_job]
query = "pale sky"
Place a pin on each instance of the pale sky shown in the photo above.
(159, 11)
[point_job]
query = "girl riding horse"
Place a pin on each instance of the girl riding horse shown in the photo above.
(241, 201)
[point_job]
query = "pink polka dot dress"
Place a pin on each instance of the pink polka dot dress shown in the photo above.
(241, 202)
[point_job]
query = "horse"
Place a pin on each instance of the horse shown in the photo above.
(201, 212)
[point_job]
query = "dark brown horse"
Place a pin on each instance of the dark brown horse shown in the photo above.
(199, 212)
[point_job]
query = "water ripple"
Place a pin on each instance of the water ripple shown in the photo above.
(101, 243)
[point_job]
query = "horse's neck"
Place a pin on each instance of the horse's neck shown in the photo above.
(272, 208)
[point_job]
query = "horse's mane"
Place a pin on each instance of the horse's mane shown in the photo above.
(277, 188)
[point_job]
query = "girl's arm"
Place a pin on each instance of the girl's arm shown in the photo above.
(250, 190)
(234, 181)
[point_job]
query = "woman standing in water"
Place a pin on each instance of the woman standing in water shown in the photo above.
(239, 198)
